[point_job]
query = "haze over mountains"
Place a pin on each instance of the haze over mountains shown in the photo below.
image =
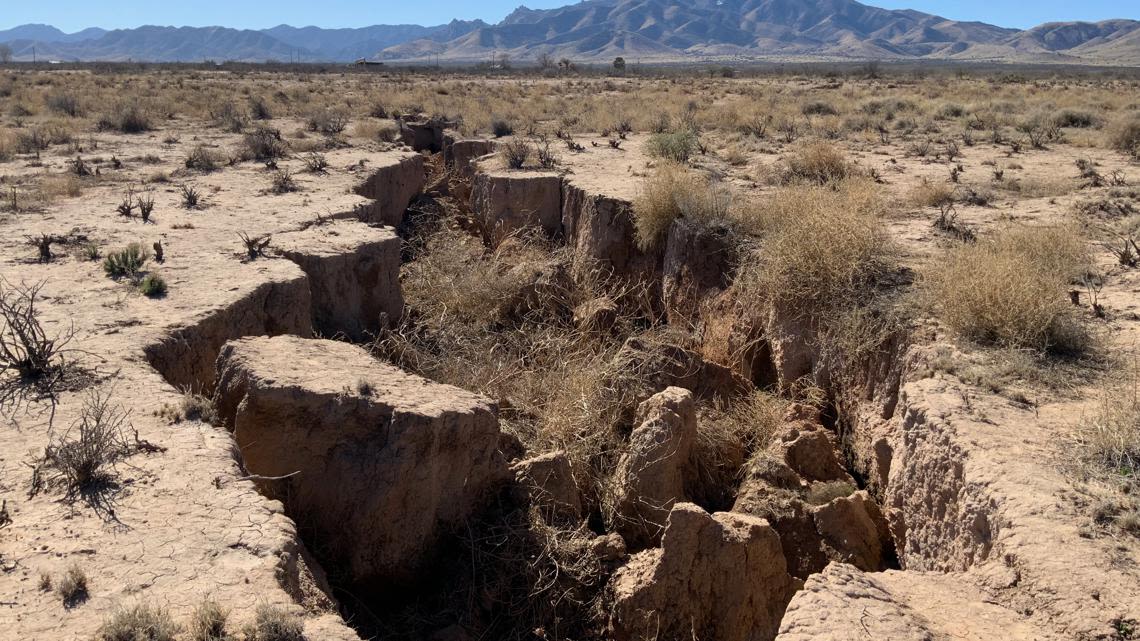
(599, 30)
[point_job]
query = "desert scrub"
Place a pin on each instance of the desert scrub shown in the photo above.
(673, 192)
(931, 194)
(153, 286)
(140, 622)
(820, 248)
(126, 262)
(201, 158)
(262, 143)
(127, 118)
(677, 146)
(1012, 290)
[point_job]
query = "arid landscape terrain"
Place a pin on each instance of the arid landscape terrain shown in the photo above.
(448, 355)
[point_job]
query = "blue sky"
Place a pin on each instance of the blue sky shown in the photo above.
(72, 15)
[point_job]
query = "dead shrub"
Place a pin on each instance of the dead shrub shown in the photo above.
(192, 407)
(821, 246)
(379, 131)
(32, 363)
(316, 163)
(202, 158)
(263, 143)
(330, 122)
(1125, 136)
(1012, 290)
(259, 109)
(515, 153)
(931, 194)
(674, 192)
(228, 117)
(818, 108)
(730, 432)
(63, 103)
(255, 246)
(127, 118)
(140, 622)
(283, 182)
(81, 460)
(818, 163)
(502, 323)
(1108, 438)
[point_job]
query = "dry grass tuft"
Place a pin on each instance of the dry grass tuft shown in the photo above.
(1012, 290)
(209, 622)
(274, 623)
(139, 623)
(931, 194)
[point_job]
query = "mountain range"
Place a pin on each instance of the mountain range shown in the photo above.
(599, 30)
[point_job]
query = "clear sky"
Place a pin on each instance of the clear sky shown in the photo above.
(72, 15)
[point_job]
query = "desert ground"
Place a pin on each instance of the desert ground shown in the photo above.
(438, 355)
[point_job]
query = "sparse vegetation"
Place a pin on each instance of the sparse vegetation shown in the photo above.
(1125, 136)
(817, 163)
(127, 118)
(263, 143)
(316, 163)
(283, 182)
(191, 197)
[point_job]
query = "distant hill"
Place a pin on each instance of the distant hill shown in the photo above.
(48, 33)
(599, 30)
